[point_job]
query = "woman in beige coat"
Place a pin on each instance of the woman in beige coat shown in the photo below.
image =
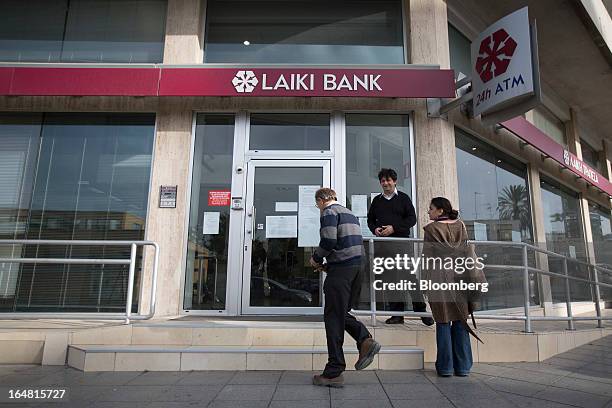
(444, 238)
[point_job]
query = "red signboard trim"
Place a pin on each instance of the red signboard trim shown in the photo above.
(162, 81)
(538, 139)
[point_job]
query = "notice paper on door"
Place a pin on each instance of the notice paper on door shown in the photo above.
(285, 206)
(308, 217)
(282, 226)
(365, 231)
(359, 205)
(211, 222)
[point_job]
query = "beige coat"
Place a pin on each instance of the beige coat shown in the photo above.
(442, 240)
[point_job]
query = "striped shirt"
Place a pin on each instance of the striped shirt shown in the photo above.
(341, 241)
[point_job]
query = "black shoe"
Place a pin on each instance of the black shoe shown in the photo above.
(427, 321)
(395, 320)
(336, 382)
(369, 348)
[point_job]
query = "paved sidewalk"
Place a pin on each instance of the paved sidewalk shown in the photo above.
(580, 378)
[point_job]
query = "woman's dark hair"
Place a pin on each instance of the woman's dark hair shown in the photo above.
(443, 204)
(387, 173)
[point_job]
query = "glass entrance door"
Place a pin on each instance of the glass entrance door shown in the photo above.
(281, 231)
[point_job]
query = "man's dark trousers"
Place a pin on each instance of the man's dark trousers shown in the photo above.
(340, 287)
(390, 250)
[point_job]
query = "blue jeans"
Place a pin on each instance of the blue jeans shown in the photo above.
(454, 349)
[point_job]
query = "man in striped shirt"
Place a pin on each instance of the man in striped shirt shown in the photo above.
(342, 246)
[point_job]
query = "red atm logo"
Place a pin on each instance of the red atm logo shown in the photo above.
(495, 54)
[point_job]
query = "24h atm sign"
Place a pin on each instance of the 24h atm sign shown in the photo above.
(502, 64)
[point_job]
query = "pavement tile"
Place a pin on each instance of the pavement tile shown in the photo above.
(238, 404)
(515, 386)
(157, 378)
(427, 403)
(206, 378)
(290, 392)
(360, 377)
(401, 377)
(297, 377)
(300, 404)
(466, 391)
(182, 404)
(132, 393)
(530, 402)
(18, 379)
(496, 402)
(572, 397)
(109, 378)
(347, 403)
(359, 392)
(256, 377)
(412, 391)
(591, 387)
(182, 393)
(243, 392)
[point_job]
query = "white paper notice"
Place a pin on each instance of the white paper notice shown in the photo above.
(572, 251)
(286, 206)
(283, 226)
(365, 231)
(359, 205)
(480, 231)
(516, 236)
(211, 223)
(372, 195)
(308, 217)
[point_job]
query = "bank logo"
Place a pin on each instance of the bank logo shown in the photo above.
(494, 55)
(245, 81)
(566, 157)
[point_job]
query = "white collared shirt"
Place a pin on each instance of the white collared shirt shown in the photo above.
(390, 196)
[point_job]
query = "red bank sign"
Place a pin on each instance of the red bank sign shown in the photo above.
(538, 139)
(386, 82)
(391, 82)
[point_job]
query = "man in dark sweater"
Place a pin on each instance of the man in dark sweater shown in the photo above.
(392, 214)
(342, 246)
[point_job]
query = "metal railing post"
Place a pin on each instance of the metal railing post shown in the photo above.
(568, 299)
(372, 291)
(128, 302)
(526, 290)
(597, 297)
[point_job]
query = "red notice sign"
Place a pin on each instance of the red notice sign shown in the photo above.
(219, 198)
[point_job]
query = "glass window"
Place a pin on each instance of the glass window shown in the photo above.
(207, 251)
(548, 123)
(129, 31)
(305, 32)
(460, 52)
(564, 235)
(494, 204)
(374, 141)
(72, 176)
(289, 131)
(601, 228)
(590, 155)
(493, 192)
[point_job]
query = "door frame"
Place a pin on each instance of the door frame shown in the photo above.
(252, 165)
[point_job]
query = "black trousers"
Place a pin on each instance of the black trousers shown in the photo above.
(390, 250)
(340, 288)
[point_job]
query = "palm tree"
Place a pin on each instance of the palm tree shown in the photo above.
(513, 204)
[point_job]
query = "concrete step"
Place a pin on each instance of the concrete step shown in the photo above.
(186, 358)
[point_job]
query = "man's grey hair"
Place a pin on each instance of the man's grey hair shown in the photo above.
(325, 194)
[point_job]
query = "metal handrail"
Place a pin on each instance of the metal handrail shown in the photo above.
(526, 270)
(127, 315)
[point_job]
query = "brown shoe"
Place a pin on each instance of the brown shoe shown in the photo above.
(369, 348)
(336, 382)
